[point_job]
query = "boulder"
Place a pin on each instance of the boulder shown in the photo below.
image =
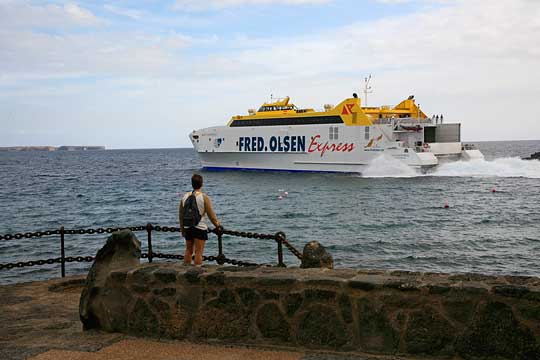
(535, 156)
(121, 251)
(316, 256)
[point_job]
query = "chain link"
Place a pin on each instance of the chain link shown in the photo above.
(220, 259)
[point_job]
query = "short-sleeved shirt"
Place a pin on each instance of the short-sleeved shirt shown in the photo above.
(200, 205)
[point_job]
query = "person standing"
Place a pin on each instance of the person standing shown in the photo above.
(195, 208)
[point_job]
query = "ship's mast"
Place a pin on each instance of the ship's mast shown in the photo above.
(367, 88)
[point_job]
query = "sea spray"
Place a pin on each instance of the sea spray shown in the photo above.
(501, 167)
(508, 167)
(386, 166)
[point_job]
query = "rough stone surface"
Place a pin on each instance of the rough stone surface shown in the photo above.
(320, 327)
(40, 321)
(272, 323)
(496, 331)
(428, 333)
(464, 316)
(122, 250)
(316, 256)
(376, 332)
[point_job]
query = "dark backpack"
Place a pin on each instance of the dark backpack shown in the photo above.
(190, 215)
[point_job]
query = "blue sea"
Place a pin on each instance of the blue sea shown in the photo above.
(390, 217)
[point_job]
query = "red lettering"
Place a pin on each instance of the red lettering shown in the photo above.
(315, 146)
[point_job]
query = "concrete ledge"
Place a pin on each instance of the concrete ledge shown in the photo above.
(467, 315)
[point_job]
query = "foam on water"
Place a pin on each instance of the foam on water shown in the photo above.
(508, 167)
(501, 167)
(387, 166)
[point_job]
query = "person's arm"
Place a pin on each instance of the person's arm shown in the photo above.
(210, 211)
(180, 213)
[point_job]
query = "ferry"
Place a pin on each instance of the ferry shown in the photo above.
(342, 138)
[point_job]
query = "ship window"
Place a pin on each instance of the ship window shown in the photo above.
(333, 133)
(305, 120)
(366, 134)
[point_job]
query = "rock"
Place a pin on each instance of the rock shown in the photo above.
(142, 321)
(496, 333)
(221, 318)
(292, 303)
(164, 292)
(319, 295)
(438, 289)
(362, 285)
(248, 297)
(165, 275)
(516, 291)
(121, 251)
(402, 285)
(272, 323)
(193, 275)
(428, 333)
(346, 308)
(320, 326)
(276, 281)
(535, 156)
(216, 278)
(375, 330)
(316, 256)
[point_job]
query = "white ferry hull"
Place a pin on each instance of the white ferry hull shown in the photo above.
(310, 148)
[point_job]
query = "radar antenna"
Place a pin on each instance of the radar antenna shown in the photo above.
(367, 88)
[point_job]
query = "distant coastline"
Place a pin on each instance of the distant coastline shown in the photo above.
(51, 148)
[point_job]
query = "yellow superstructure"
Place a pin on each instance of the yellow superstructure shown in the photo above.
(348, 112)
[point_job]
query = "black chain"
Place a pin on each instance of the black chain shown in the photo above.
(29, 235)
(220, 259)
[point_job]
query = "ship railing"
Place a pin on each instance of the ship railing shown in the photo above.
(398, 121)
(220, 258)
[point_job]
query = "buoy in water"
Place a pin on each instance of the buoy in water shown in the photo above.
(280, 197)
(446, 206)
(286, 193)
(493, 190)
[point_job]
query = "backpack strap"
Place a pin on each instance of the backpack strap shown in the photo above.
(197, 204)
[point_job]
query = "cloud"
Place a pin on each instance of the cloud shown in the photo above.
(196, 5)
(24, 14)
(133, 14)
(471, 60)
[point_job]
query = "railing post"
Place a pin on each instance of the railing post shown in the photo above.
(149, 228)
(220, 257)
(279, 239)
(62, 252)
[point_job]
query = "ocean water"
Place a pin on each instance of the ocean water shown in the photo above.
(391, 217)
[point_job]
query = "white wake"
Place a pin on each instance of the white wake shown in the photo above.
(501, 167)
(386, 166)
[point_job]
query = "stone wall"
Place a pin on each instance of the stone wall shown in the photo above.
(466, 316)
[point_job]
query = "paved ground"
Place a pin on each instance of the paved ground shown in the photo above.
(40, 321)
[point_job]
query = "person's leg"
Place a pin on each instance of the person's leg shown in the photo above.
(189, 252)
(199, 249)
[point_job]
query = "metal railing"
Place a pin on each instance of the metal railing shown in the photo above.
(220, 258)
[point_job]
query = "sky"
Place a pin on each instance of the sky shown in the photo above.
(145, 73)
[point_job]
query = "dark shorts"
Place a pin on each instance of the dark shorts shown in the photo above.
(194, 233)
